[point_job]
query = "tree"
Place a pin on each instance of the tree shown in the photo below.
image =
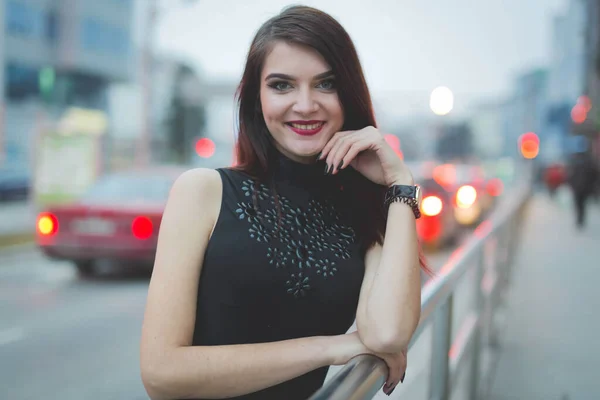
(186, 119)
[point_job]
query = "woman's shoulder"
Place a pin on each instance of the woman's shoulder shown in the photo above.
(198, 179)
(211, 183)
(208, 178)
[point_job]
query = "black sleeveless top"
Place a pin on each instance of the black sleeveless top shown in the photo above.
(274, 273)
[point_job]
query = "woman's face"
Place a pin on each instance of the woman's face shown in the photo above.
(299, 101)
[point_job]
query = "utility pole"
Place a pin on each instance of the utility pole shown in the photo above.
(143, 154)
(144, 142)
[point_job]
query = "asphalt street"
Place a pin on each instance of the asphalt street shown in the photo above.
(67, 338)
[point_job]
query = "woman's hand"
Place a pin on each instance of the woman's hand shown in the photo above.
(367, 152)
(349, 346)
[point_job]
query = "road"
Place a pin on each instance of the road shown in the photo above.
(17, 217)
(67, 338)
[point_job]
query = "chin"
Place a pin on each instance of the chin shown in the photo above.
(305, 150)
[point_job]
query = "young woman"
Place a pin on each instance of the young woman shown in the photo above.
(261, 269)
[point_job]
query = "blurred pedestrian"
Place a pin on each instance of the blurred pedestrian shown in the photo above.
(554, 177)
(261, 269)
(583, 177)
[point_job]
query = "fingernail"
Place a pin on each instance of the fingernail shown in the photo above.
(403, 375)
(319, 155)
(341, 163)
(326, 169)
(330, 170)
(391, 391)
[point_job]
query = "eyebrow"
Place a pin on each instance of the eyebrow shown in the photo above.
(322, 75)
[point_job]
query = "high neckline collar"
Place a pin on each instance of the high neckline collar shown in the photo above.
(295, 171)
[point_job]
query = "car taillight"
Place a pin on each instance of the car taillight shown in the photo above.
(431, 206)
(142, 227)
(47, 224)
(466, 196)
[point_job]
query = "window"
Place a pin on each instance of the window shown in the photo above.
(26, 21)
(101, 37)
(21, 81)
(20, 19)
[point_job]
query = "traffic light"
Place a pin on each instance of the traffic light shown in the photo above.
(529, 144)
(46, 81)
(578, 114)
(580, 111)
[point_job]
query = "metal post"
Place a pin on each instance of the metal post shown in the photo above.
(501, 272)
(146, 72)
(478, 309)
(439, 384)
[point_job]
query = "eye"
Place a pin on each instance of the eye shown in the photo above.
(280, 85)
(328, 84)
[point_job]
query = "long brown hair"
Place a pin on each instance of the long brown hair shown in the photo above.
(313, 28)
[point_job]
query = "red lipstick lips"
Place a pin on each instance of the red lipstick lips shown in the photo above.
(306, 128)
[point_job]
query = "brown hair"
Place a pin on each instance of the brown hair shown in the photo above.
(313, 28)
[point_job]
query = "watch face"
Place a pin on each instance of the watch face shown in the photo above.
(405, 190)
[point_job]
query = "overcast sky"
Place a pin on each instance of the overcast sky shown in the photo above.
(406, 46)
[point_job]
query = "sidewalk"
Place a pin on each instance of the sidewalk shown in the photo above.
(549, 343)
(17, 223)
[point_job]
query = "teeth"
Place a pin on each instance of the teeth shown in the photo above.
(308, 127)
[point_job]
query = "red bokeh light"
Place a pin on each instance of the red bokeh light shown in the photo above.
(529, 144)
(205, 148)
(579, 113)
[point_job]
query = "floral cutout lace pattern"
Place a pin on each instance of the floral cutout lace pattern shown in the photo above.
(309, 243)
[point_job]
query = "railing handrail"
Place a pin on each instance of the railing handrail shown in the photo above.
(364, 376)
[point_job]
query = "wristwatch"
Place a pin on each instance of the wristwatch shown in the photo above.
(410, 195)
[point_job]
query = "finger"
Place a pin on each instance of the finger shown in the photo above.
(354, 150)
(397, 366)
(394, 373)
(337, 154)
(332, 143)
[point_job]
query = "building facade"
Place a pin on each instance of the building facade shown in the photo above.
(591, 84)
(486, 127)
(171, 80)
(59, 54)
(526, 110)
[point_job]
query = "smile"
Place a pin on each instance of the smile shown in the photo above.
(307, 128)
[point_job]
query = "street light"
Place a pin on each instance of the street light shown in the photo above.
(441, 100)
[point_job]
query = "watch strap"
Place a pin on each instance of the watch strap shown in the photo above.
(405, 194)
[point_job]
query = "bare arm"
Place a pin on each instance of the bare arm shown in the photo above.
(390, 301)
(171, 367)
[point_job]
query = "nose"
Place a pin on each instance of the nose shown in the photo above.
(305, 103)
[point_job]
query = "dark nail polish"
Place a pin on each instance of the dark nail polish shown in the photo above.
(326, 169)
(391, 391)
(330, 171)
(319, 155)
(403, 375)
(341, 163)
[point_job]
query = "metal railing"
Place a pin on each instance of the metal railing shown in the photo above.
(487, 257)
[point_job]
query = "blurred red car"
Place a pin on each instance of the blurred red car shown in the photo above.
(473, 194)
(117, 220)
(437, 227)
